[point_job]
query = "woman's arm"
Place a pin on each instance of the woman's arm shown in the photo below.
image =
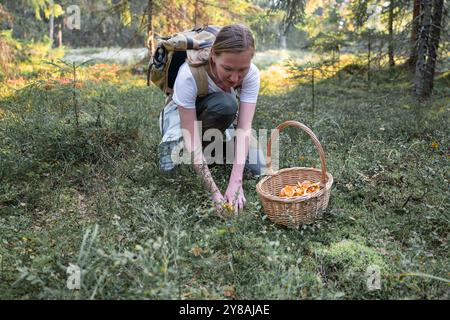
(192, 142)
(235, 193)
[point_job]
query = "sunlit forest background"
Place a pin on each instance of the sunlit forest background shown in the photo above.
(79, 178)
(334, 33)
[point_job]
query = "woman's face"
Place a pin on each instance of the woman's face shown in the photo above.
(231, 68)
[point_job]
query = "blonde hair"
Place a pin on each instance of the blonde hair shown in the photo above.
(234, 38)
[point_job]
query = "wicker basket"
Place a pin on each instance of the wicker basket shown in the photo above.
(296, 210)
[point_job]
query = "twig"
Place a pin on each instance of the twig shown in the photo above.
(424, 275)
(411, 197)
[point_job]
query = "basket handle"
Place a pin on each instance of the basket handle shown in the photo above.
(299, 125)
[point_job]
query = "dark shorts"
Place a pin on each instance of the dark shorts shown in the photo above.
(217, 110)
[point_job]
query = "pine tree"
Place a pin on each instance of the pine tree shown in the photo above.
(428, 43)
(433, 45)
(416, 22)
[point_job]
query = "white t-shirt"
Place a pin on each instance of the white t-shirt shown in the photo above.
(185, 88)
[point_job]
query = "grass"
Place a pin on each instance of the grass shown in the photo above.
(92, 196)
(265, 59)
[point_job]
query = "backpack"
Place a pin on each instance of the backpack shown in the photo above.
(171, 52)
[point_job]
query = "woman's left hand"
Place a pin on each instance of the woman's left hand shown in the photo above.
(235, 196)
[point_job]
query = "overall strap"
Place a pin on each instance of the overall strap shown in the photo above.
(199, 73)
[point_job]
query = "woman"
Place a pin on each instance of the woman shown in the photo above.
(229, 67)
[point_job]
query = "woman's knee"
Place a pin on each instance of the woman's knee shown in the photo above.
(217, 110)
(218, 102)
(226, 104)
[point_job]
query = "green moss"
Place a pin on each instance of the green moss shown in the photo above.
(349, 256)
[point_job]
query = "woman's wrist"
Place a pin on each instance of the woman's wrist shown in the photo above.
(215, 191)
(236, 179)
(217, 197)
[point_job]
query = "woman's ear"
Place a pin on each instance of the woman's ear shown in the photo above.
(213, 56)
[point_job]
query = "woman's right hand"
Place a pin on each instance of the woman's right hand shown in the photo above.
(220, 205)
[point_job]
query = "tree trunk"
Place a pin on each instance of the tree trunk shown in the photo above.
(339, 63)
(414, 36)
(391, 34)
(60, 34)
(435, 33)
(51, 25)
(196, 12)
(281, 38)
(150, 28)
(313, 91)
(59, 22)
(379, 58)
(369, 49)
(283, 42)
(423, 42)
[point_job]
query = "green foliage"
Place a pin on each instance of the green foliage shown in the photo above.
(25, 59)
(49, 7)
(8, 49)
(266, 29)
(353, 256)
(124, 23)
(293, 12)
(326, 43)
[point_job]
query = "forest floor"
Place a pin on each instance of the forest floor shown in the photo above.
(86, 190)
